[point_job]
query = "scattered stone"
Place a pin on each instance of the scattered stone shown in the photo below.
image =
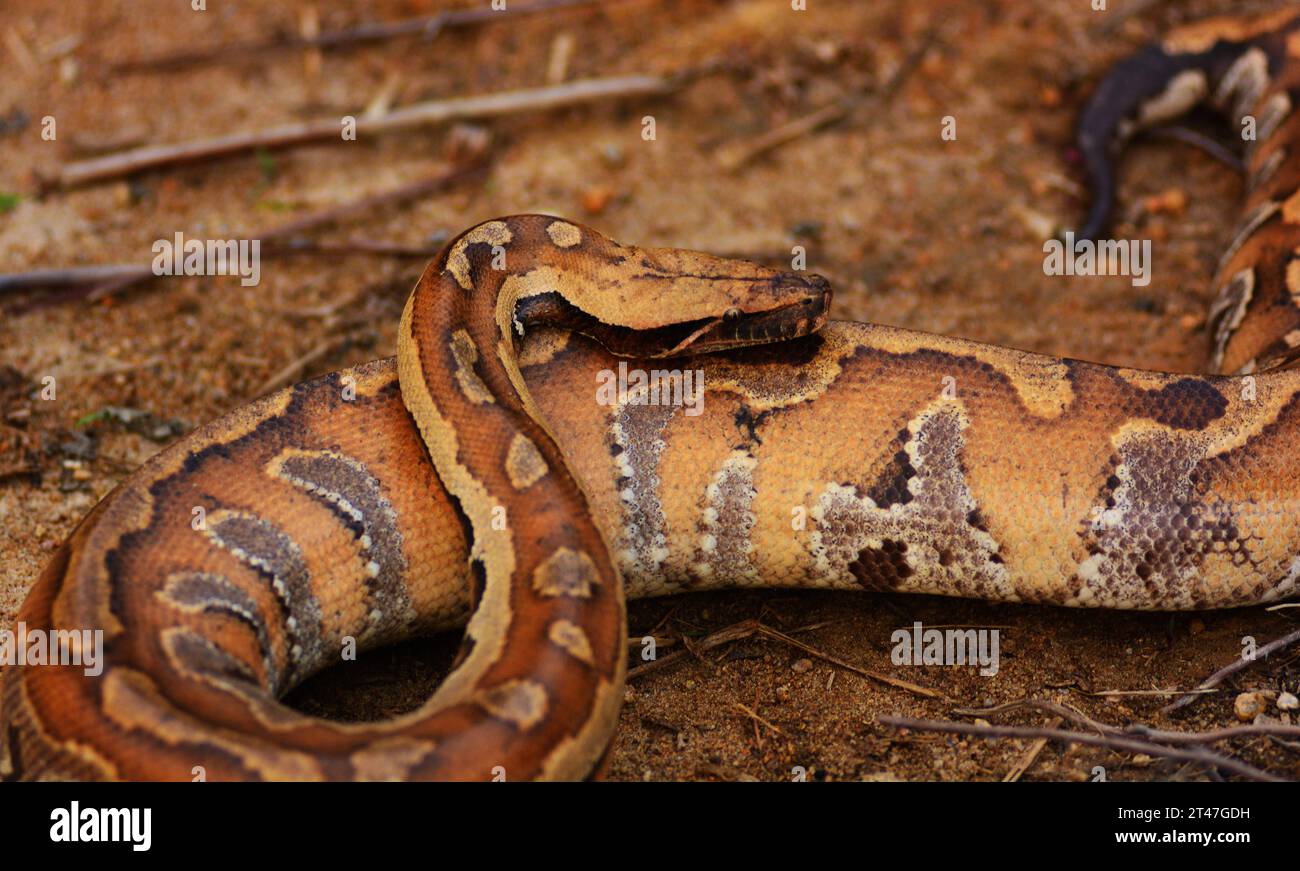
(1288, 702)
(596, 199)
(1248, 706)
(801, 665)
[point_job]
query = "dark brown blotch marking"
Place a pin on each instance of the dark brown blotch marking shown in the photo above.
(883, 569)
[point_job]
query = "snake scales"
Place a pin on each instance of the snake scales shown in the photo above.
(237, 562)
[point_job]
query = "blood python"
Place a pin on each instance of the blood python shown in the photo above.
(347, 509)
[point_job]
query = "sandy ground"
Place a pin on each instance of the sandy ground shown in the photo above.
(937, 235)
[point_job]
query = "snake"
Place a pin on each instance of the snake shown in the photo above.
(570, 422)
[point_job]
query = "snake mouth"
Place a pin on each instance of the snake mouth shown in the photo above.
(737, 328)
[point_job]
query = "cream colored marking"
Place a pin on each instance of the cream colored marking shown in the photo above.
(1244, 83)
(465, 353)
(542, 346)
(1292, 338)
(1293, 281)
(493, 548)
(390, 759)
(1230, 308)
(525, 465)
(1271, 115)
(132, 701)
(727, 523)
(569, 637)
(520, 702)
(1183, 92)
(563, 234)
(638, 429)
(1291, 209)
(492, 232)
(567, 572)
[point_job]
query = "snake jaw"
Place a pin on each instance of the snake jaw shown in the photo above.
(738, 328)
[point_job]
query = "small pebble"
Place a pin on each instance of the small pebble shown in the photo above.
(801, 665)
(595, 200)
(1248, 706)
(1288, 702)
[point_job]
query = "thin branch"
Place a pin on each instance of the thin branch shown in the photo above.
(753, 715)
(1031, 756)
(1237, 665)
(113, 279)
(71, 275)
(124, 163)
(898, 683)
(425, 26)
(1163, 736)
(291, 371)
(1117, 743)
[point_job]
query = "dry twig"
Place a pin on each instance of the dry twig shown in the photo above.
(1228, 670)
(1117, 743)
(106, 280)
(426, 27)
(124, 163)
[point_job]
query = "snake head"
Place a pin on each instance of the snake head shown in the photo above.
(659, 302)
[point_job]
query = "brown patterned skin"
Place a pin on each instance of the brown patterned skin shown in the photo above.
(858, 457)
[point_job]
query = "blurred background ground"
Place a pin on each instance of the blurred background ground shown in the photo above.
(943, 236)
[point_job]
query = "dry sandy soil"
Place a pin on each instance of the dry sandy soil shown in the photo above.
(943, 236)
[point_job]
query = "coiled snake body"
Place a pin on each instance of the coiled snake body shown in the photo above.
(237, 562)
